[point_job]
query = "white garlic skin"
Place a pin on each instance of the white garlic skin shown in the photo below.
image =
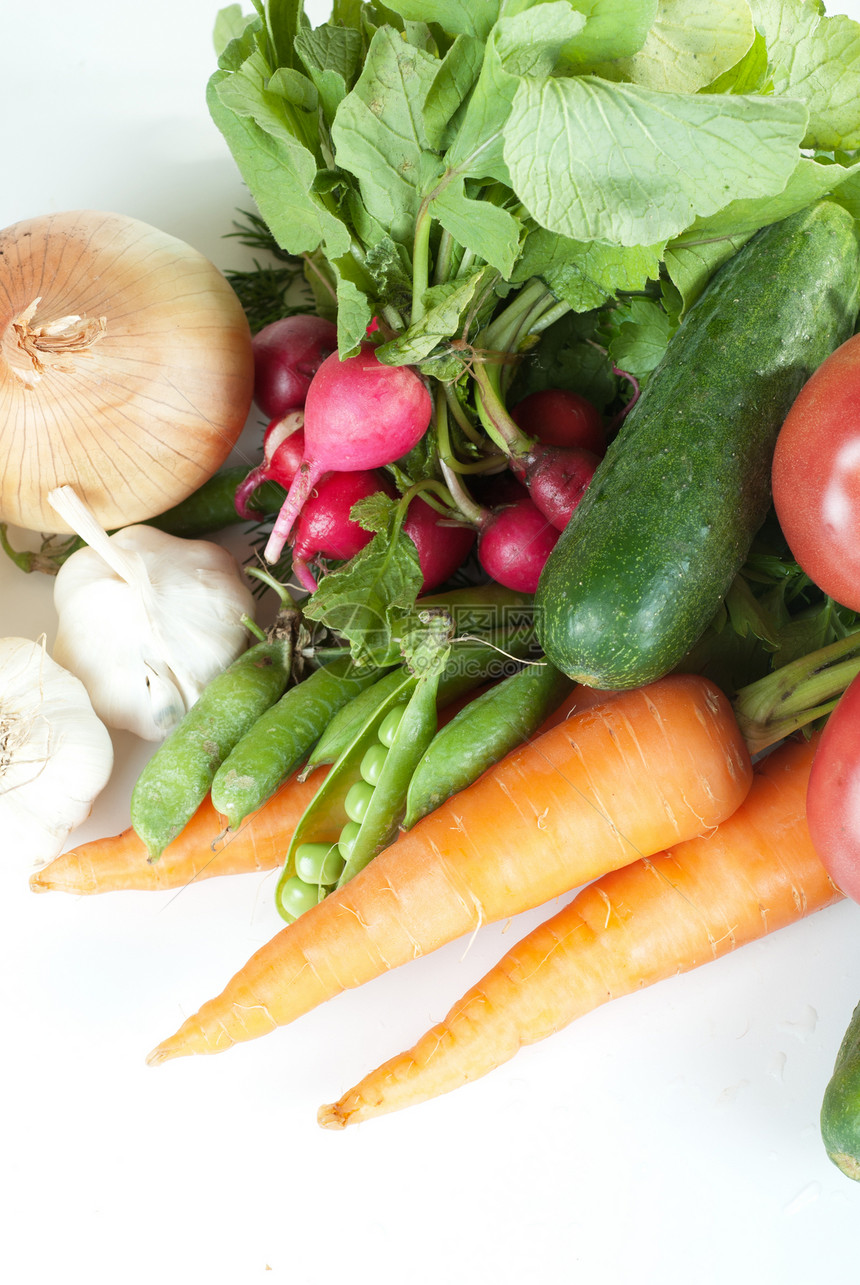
(145, 656)
(56, 755)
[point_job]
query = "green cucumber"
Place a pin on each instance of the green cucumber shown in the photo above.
(840, 1108)
(670, 514)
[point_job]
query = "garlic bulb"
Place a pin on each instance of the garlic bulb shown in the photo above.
(56, 756)
(146, 619)
(126, 368)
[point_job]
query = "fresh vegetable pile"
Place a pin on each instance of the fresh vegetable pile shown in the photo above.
(571, 298)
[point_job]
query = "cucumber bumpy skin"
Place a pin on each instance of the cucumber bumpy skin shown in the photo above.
(670, 514)
(840, 1108)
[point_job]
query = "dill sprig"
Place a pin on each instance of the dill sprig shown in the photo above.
(268, 292)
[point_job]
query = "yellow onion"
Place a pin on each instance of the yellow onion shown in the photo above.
(126, 368)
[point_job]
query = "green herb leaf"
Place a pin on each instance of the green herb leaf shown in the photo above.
(452, 84)
(751, 75)
(568, 145)
(283, 22)
(691, 43)
(570, 355)
(231, 24)
(296, 89)
(487, 230)
(354, 310)
(448, 306)
(692, 258)
(525, 44)
(613, 29)
(586, 274)
(331, 56)
(366, 600)
(456, 18)
(378, 131)
(638, 333)
(816, 60)
(425, 644)
(278, 169)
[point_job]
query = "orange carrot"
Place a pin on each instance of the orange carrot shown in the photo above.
(656, 917)
(204, 848)
(580, 698)
(611, 784)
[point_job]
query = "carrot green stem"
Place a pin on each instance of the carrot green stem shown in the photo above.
(797, 694)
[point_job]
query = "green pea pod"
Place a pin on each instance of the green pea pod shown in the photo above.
(351, 719)
(482, 733)
(325, 816)
(179, 775)
(387, 806)
(280, 740)
(469, 665)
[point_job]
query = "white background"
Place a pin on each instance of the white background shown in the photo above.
(669, 1138)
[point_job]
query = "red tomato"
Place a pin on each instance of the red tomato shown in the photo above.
(816, 476)
(833, 794)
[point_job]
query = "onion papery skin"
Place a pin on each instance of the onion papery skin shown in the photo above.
(141, 417)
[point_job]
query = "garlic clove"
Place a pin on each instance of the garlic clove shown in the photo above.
(56, 755)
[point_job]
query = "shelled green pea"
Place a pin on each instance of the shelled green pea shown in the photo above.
(318, 868)
(360, 794)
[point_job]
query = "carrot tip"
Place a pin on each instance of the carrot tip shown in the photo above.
(158, 1055)
(332, 1117)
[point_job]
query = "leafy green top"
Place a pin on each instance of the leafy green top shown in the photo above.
(525, 192)
(602, 138)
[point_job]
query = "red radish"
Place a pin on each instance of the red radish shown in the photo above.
(283, 452)
(324, 528)
(514, 544)
(287, 355)
(557, 478)
(442, 547)
(559, 417)
(359, 414)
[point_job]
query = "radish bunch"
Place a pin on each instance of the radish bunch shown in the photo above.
(336, 422)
